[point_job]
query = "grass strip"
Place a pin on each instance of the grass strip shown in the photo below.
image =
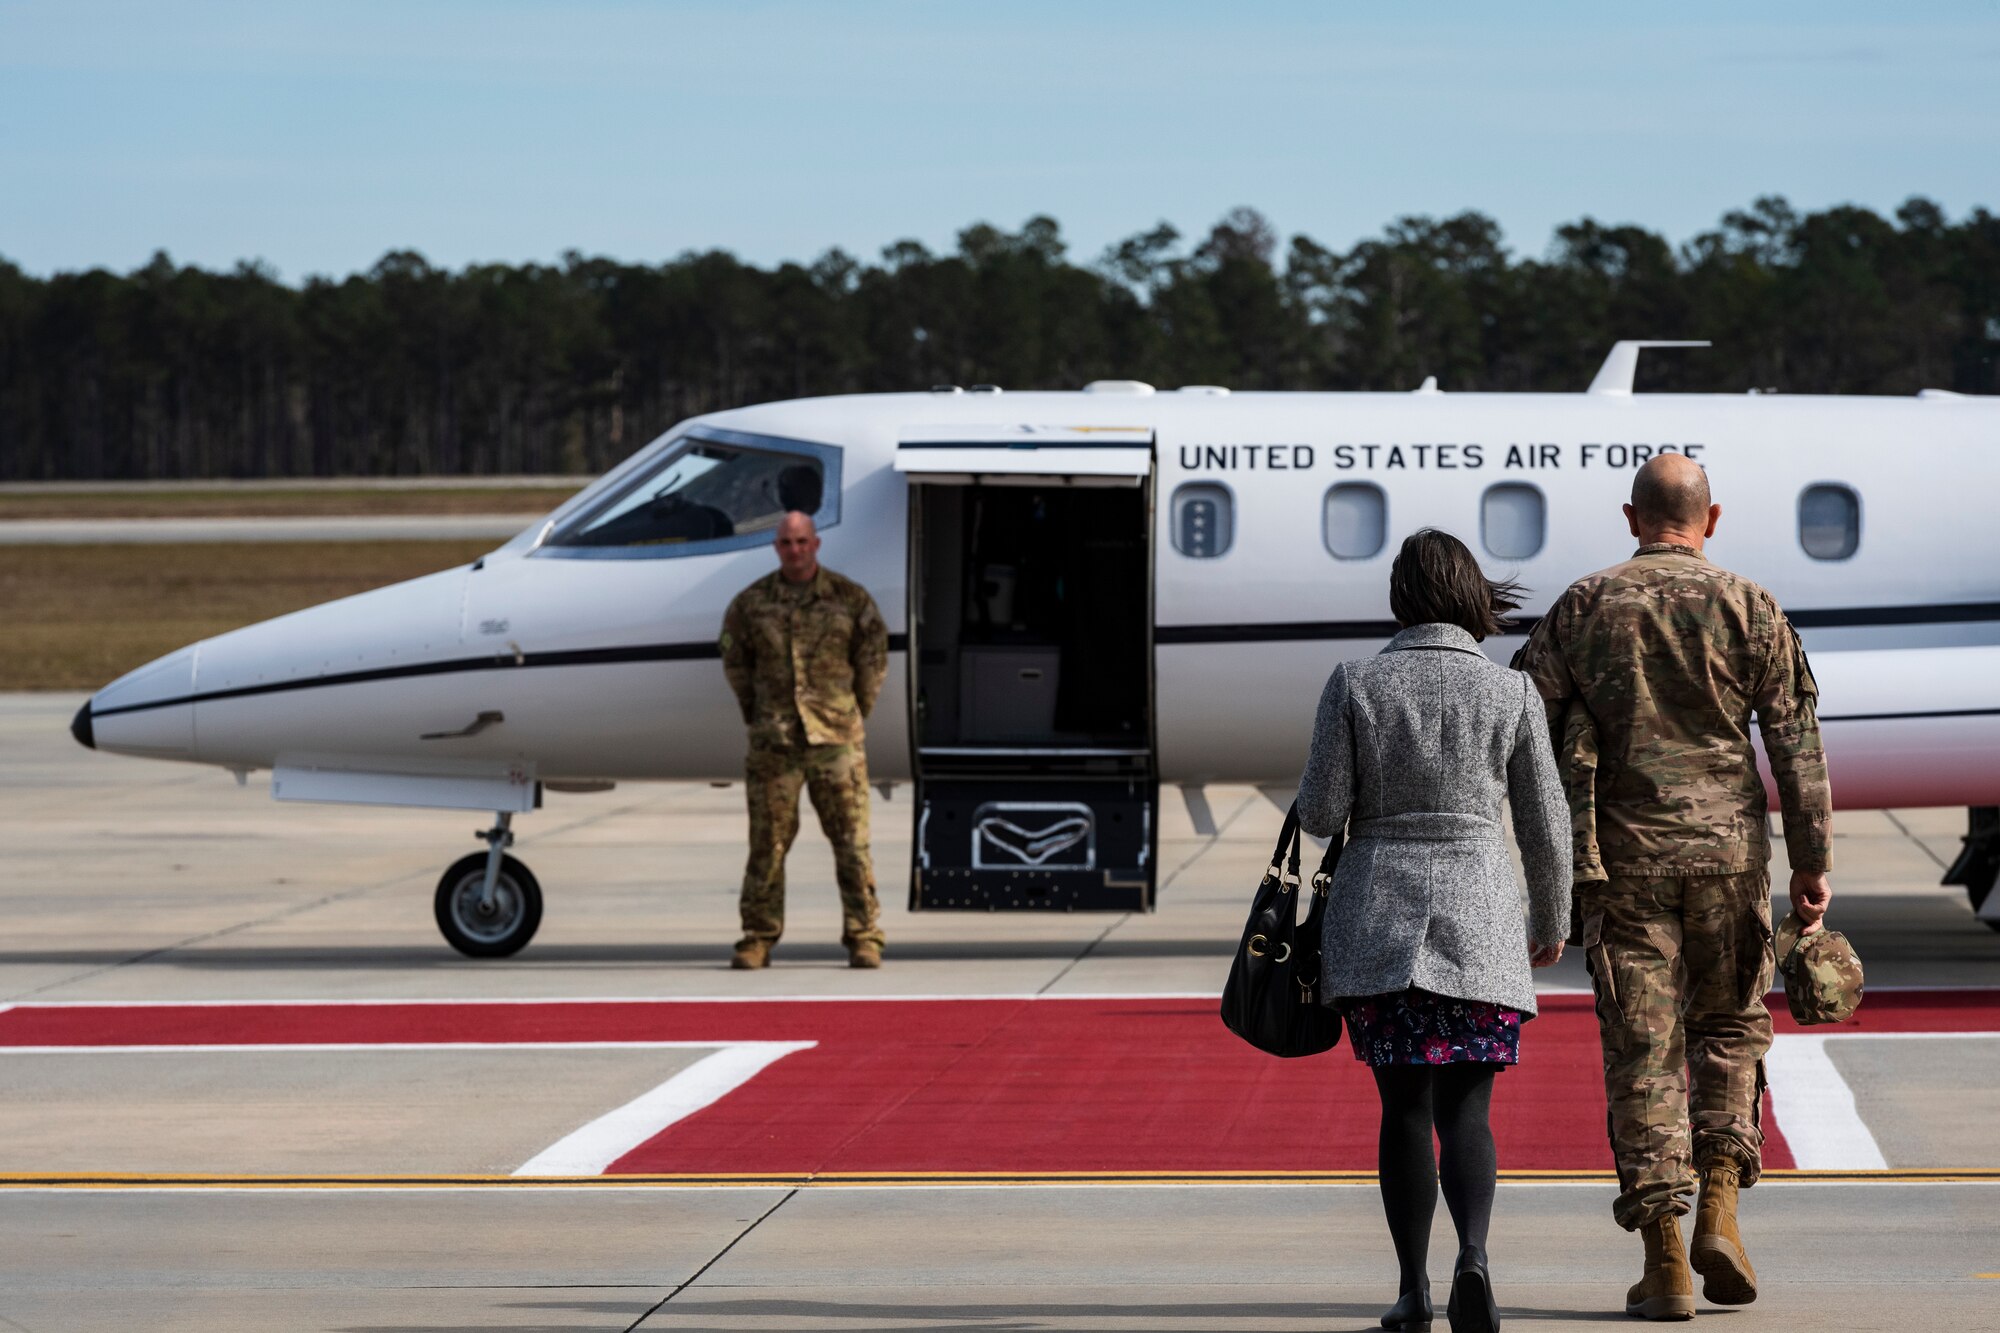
(78, 617)
(316, 503)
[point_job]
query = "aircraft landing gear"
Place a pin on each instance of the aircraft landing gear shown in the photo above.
(1978, 864)
(487, 904)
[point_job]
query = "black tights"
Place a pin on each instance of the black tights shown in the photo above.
(1454, 1099)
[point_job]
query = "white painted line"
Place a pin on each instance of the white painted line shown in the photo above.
(1608, 1184)
(296, 1047)
(1814, 1105)
(591, 1150)
(1815, 1108)
(477, 1000)
(587, 1151)
(1912, 1036)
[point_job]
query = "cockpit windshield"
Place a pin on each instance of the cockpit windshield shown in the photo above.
(709, 491)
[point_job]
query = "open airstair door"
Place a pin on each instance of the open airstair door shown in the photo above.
(1031, 668)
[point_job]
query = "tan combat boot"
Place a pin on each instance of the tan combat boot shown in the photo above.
(1667, 1289)
(1717, 1252)
(751, 955)
(864, 954)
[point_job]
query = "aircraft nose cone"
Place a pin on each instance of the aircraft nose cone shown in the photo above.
(80, 727)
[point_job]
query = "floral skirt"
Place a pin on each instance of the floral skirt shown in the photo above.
(1416, 1027)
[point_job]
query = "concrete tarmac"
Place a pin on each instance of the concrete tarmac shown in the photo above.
(1846, 1257)
(128, 880)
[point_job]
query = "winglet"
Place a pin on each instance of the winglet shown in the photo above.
(1615, 375)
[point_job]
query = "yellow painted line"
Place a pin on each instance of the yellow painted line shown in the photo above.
(86, 1180)
(1893, 1173)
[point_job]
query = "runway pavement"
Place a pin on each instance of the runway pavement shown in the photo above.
(167, 929)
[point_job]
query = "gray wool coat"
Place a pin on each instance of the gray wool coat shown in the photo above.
(1414, 749)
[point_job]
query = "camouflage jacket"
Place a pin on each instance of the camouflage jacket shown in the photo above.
(805, 661)
(1576, 759)
(1668, 656)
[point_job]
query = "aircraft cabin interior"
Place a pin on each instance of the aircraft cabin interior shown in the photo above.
(1031, 653)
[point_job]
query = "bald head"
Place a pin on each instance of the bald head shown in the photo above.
(1670, 502)
(1671, 489)
(798, 547)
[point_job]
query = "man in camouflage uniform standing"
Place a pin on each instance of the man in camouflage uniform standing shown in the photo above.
(805, 651)
(1651, 670)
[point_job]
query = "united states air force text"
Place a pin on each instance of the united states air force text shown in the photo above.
(1540, 456)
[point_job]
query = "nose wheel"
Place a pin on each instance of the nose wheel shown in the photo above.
(488, 905)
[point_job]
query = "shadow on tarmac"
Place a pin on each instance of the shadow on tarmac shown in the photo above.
(1903, 940)
(624, 1310)
(1042, 1316)
(715, 953)
(621, 1310)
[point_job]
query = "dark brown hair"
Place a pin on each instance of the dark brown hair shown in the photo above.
(1435, 580)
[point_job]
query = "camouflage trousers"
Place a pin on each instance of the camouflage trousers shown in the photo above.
(836, 779)
(1679, 967)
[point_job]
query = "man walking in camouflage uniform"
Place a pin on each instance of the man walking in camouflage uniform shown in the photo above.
(1652, 670)
(805, 651)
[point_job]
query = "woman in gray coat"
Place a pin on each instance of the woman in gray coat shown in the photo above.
(1427, 949)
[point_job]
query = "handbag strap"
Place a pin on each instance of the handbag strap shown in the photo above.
(1322, 879)
(1285, 857)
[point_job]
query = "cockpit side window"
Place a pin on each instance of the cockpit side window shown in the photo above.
(710, 490)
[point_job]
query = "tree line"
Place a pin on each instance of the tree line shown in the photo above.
(409, 369)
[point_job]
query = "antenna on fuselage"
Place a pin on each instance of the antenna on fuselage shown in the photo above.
(1615, 375)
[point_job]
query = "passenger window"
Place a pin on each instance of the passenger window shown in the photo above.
(1203, 515)
(711, 491)
(1512, 519)
(1829, 521)
(1357, 520)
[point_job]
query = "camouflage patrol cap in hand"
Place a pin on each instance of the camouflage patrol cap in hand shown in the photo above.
(1822, 972)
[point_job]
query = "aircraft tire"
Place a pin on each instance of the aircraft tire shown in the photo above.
(1978, 894)
(516, 915)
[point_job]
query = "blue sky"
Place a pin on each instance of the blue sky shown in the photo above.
(315, 136)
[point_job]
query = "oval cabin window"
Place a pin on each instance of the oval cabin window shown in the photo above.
(1203, 515)
(1513, 518)
(1357, 520)
(1829, 521)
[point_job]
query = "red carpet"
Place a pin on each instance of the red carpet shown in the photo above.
(992, 1085)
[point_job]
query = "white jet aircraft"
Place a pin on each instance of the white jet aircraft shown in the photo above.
(1091, 594)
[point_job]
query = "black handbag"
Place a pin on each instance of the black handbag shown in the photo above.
(1272, 997)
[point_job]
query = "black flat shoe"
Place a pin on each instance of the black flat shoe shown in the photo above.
(1471, 1308)
(1411, 1314)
